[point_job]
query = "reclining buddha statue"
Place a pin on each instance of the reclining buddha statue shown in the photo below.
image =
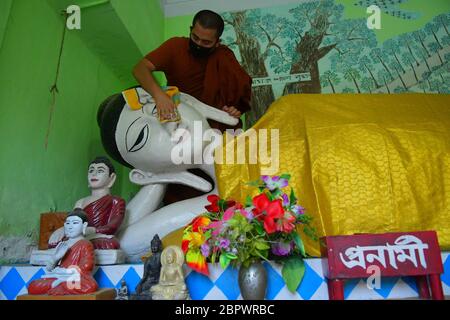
(358, 163)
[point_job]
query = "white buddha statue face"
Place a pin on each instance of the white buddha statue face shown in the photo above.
(99, 176)
(146, 143)
(170, 258)
(74, 227)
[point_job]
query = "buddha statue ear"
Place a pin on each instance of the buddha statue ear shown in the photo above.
(112, 179)
(85, 225)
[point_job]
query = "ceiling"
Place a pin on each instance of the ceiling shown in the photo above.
(187, 7)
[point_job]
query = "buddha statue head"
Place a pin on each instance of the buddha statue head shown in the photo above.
(172, 255)
(156, 244)
(137, 139)
(101, 173)
(75, 224)
(134, 137)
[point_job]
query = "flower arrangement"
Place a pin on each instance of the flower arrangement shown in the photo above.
(264, 228)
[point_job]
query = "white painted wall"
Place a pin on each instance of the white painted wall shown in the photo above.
(175, 8)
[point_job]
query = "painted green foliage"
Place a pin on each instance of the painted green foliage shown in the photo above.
(341, 55)
(391, 7)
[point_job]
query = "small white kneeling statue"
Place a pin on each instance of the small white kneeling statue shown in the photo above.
(171, 284)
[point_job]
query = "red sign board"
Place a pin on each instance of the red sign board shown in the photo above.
(394, 254)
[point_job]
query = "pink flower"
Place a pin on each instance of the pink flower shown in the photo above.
(218, 226)
(286, 222)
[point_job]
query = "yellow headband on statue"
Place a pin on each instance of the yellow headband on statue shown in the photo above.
(135, 102)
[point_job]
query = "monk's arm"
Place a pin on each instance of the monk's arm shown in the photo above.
(143, 74)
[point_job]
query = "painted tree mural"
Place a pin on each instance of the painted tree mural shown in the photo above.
(340, 55)
(318, 29)
(247, 25)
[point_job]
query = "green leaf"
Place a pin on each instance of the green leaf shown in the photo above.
(299, 243)
(260, 245)
(231, 256)
(276, 193)
(224, 261)
(259, 228)
(222, 204)
(248, 201)
(285, 176)
(253, 184)
(292, 198)
(293, 272)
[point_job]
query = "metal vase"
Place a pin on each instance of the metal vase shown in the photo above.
(253, 281)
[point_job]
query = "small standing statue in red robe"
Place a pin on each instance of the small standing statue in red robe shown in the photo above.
(105, 212)
(70, 270)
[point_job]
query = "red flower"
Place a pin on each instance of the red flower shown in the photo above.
(268, 211)
(199, 223)
(214, 206)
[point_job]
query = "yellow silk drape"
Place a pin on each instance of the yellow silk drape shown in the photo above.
(359, 163)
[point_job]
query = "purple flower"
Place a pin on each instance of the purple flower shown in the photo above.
(247, 213)
(282, 248)
(285, 200)
(274, 182)
(205, 249)
(224, 243)
(298, 210)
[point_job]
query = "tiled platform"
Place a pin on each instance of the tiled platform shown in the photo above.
(223, 284)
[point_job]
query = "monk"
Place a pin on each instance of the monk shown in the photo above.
(199, 66)
(69, 271)
(105, 212)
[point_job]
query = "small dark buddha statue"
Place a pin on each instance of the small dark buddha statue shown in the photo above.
(152, 269)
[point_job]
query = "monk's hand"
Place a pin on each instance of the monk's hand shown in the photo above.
(165, 107)
(232, 111)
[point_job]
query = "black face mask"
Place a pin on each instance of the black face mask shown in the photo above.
(199, 51)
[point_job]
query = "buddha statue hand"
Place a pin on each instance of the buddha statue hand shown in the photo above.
(60, 251)
(56, 237)
(90, 231)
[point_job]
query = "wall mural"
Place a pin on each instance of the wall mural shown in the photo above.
(311, 48)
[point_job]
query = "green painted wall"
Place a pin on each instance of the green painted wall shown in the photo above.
(53, 178)
(144, 20)
(178, 26)
(34, 179)
(5, 7)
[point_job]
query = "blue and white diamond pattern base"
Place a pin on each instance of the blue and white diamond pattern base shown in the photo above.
(223, 284)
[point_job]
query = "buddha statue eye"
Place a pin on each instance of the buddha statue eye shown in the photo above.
(141, 139)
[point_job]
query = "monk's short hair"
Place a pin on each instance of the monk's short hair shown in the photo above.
(210, 20)
(78, 212)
